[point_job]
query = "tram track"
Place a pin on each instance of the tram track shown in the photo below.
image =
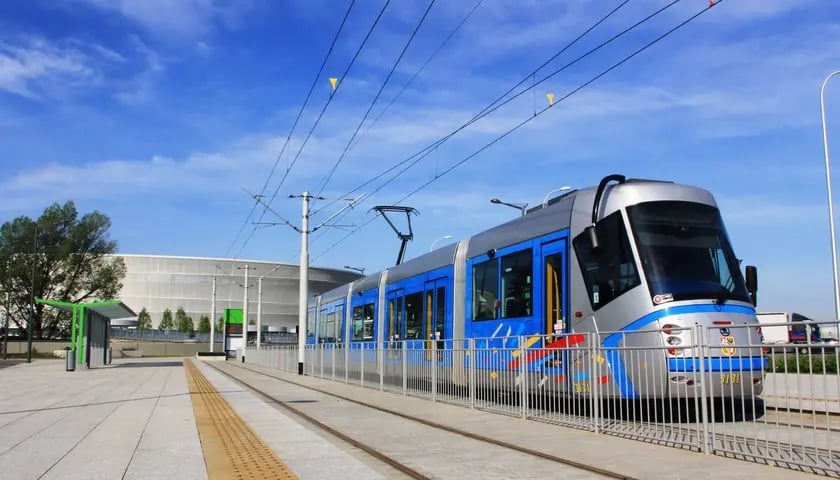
(797, 457)
(410, 471)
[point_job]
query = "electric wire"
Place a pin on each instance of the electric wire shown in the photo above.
(527, 120)
(493, 107)
(323, 110)
(419, 70)
(338, 85)
(291, 132)
(378, 94)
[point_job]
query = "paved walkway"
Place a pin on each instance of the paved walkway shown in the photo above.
(130, 420)
(135, 420)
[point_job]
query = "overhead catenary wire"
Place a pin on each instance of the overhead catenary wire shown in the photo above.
(337, 86)
(291, 132)
(378, 94)
(324, 109)
(490, 108)
(529, 119)
(419, 71)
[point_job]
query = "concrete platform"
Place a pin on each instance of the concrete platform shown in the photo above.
(135, 420)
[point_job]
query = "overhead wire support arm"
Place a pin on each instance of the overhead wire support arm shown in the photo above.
(338, 213)
(258, 198)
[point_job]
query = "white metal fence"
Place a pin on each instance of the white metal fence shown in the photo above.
(778, 404)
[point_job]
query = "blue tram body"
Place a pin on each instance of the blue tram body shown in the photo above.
(641, 267)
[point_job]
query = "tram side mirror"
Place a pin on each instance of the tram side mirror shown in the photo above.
(752, 283)
(592, 233)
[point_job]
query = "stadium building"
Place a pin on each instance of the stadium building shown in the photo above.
(157, 283)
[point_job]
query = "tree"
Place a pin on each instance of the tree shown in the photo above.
(220, 324)
(166, 323)
(184, 321)
(61, 257)
(204, 324)
(144, 320)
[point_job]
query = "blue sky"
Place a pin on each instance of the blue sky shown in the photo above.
(159, 112)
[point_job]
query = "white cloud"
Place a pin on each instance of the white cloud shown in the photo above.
(140, 88)
(188, 18)
(36, 67)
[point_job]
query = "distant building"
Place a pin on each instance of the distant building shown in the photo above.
(156, 282)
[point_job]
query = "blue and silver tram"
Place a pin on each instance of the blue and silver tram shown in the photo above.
(638, 266)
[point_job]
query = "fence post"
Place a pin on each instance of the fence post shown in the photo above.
(362, 366)
(471, 371)
(594, 368)
(523, 379)
(404, 367)
(699, 344)
(380, 359)
(434, 371)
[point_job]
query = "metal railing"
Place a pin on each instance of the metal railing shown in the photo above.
(776, 404)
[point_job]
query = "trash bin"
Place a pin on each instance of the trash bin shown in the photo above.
(69, 359)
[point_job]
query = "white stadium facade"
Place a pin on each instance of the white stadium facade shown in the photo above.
(157, 283)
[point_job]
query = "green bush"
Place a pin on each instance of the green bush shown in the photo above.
(804, 363)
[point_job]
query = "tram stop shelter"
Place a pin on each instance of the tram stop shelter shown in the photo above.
(90, 332)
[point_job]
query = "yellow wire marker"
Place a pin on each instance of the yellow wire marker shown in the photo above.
(333, 83)
(550, 97)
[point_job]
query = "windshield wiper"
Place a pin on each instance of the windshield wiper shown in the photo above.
(722, 295)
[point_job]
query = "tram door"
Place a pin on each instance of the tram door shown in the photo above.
(434, 307)
(554, 276)
(393, 322)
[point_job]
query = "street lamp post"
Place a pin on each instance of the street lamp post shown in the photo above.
(34, 313)
(561, 189)
(360, 270)
(830, 203)
(519, 206)
(445, 237)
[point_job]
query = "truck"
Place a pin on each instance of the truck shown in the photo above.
(791, 328)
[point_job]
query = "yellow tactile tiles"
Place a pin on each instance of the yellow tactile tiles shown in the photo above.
(231, 449)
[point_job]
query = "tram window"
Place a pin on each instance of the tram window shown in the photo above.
(414, 316)
(310, 318)
(441, 312)
(609, 271)
(328, 335)
(392, 322)
(485, 289)
(368, 328)
(363, 322)
(322, 325)
(516, 284)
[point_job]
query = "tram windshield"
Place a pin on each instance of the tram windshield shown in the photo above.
(685, 252)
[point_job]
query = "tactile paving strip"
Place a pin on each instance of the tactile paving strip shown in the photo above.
(231, 449)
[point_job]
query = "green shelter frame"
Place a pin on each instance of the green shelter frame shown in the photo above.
(84, 316)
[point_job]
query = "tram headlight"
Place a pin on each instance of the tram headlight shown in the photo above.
(669, 328)
(674, 340)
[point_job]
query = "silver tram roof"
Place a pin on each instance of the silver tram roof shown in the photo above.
(572, 209)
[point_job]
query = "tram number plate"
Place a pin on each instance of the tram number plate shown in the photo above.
(730, 378)
(582, 387)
